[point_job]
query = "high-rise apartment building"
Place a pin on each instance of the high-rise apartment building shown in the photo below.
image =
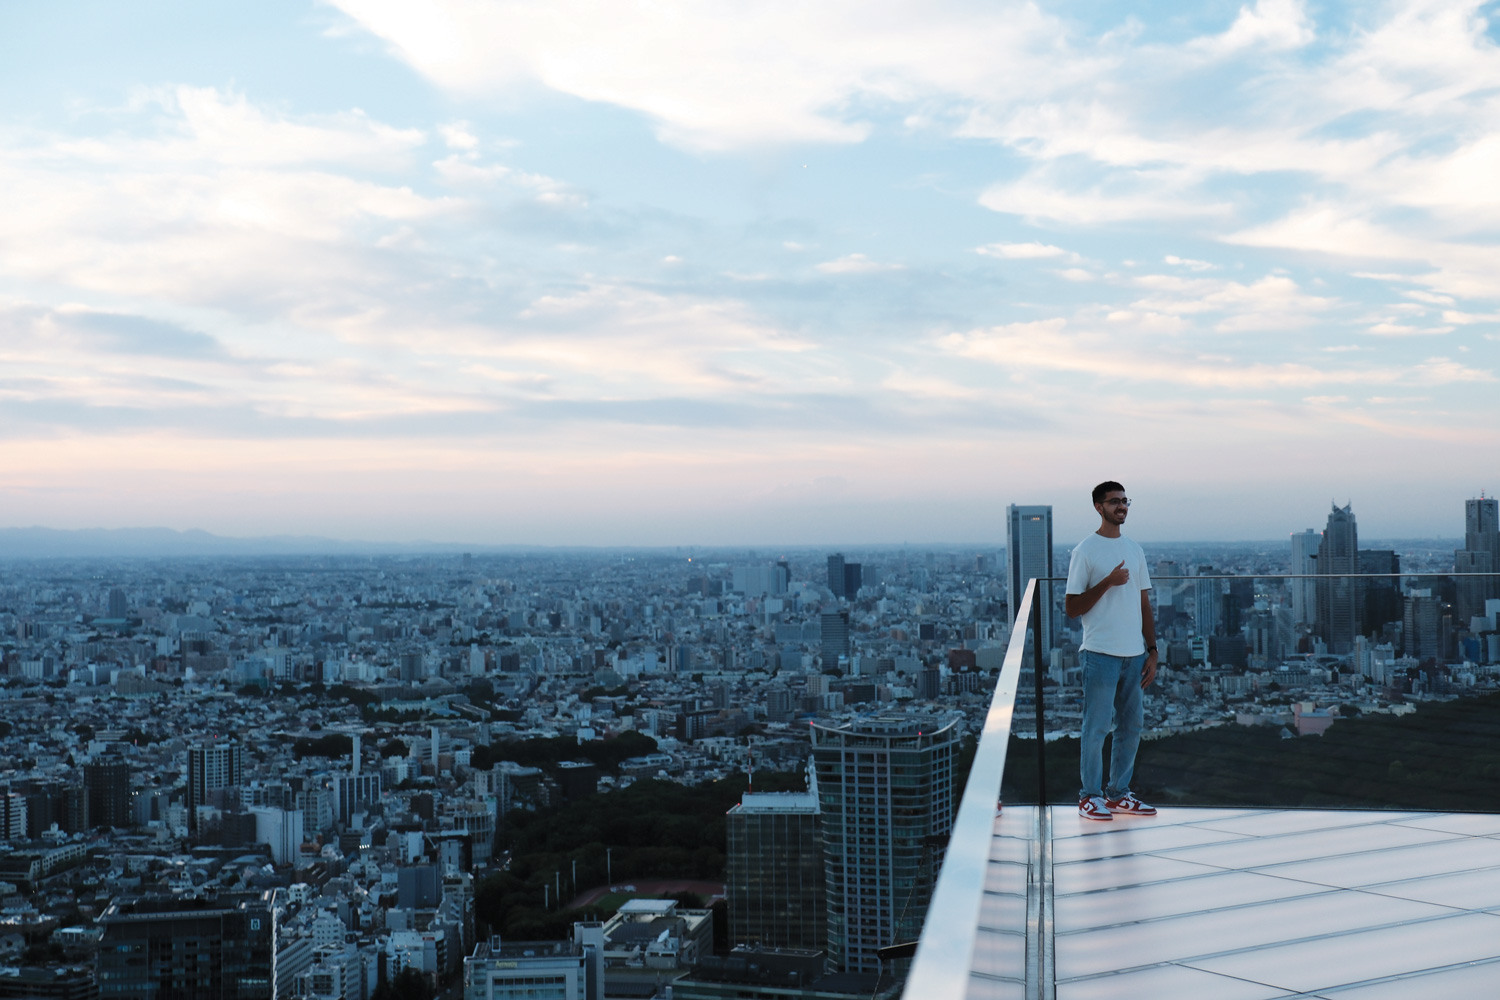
(774, 877)
(1304, 563)
(887, 798)
(1339, 598)
(108, 782)
(188, 949)
(13, 815)
(211, 768)
(1028, 554)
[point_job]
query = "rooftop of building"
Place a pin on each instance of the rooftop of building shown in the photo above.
(776, 802)
(1241, 903)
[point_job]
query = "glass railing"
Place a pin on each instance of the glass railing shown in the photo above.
(1369, 691)
(952, 932)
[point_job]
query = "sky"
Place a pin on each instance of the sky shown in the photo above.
(644, 273)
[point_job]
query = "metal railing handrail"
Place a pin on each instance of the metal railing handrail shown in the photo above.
(941, 966)
(1300, 576)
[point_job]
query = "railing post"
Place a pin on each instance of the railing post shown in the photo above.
(1041, 715)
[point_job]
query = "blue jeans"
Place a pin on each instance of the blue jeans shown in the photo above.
(1111, 695)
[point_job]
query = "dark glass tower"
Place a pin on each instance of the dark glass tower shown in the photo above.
(1339, 600)
(775, 878)
(108, 783)
(1028, 554)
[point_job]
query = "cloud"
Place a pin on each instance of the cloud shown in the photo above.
(780, 72)
(855, 263)
(1270, 24)
(1023, 251)
(1402, 330)
(1271, 302)
(1191, 265)
(1049, 346)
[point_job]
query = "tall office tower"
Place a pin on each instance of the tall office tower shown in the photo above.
(1239, 602)
(1028, 554)
(1482, 539)
(1421, 632)
(834, 637)
(1208, 603)
(836, 574)
(117, 606)
(188, 949)
(1470, 592)
(211, 768)
(1482, 525)
(108, 782)
(1304, 592)
(853, 579)
(1339, 599)
(1382, 603)
(774, 876)
(887, 797)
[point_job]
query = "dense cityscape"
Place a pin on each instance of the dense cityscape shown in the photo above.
(313, 776)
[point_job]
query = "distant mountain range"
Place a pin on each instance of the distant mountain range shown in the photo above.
(159, 543)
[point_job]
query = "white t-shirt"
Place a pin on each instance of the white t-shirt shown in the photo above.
(1113, 625)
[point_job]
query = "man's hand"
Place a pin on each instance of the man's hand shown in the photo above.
(1078, 605)
(1148, 673)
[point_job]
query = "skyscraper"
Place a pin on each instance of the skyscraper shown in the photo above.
(1382, 600)
(108, 782)
(1304, 562)
(885, 790)
(774, 873)
(1208, 603)
(834, 636)
(1339, 599)
(1480, 554)
(844, 578)
(836, 574)
(1482, 525)
(211, 767)
(1028, 554)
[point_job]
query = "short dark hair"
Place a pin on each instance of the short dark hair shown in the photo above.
(1108, 486)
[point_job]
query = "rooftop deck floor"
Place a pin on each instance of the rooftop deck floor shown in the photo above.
(1239, 904)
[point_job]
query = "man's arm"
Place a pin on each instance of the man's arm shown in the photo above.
(1148, 632)
(1078, 605)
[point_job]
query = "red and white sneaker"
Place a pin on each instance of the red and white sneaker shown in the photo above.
(1129, 805)
(1094, 808)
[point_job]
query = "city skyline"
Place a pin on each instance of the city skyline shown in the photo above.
(615, 276)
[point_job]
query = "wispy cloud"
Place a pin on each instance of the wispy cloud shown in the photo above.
(856, 263)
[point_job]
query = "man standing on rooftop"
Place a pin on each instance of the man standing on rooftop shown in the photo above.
(1109, 588)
